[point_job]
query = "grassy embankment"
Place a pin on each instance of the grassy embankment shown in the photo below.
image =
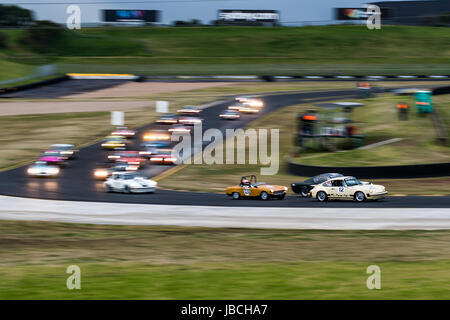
(131, 262)
(379, 122)
(242, 50)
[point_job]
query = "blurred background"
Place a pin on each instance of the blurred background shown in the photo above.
(340, 94)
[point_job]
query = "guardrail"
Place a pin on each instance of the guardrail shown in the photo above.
(271, 78)
(375, 172)
(33, 85)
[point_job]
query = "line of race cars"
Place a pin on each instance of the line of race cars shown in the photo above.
(120, 169)
(323, 187)
(52, 160)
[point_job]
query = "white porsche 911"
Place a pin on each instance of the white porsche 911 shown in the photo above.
(129, 182)
(347, 188)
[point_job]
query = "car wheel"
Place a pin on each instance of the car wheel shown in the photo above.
(236, 195)
(126, 189)
(304, 191)
(264, 195)
(108, 188)
(322, 196)
(359, 196)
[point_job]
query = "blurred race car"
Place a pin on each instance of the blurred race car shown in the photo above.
(105, 170)
(189, 110)
(254, 103)
(42, 169)
(124, 132)
(128, 157)
(163, 156)
(149, 148)
(114, 142)
(156, 135)
(53, 157)
(65, 150)
(304, 187)
(168, 118)
(347, 188)
(236, 106)
(190, 120)
(128, 182)
(242, 99)
(180, 129)
(249, 110)
(229, 115)
(249, 188)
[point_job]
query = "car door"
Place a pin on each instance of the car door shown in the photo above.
(349, 190)
(116, 182)
(337, 188)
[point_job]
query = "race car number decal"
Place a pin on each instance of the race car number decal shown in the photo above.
(247, 191)
(341, 189)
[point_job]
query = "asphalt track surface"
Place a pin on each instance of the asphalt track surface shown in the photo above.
(63, 88)
(75, 182)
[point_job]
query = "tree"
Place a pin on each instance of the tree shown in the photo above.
(13, 16)
(41, 35)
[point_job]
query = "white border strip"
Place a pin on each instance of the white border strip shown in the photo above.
(25, 209)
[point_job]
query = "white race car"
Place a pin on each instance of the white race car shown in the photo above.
(347, 188)
(42, 169)
(128, 182)
(65, 149)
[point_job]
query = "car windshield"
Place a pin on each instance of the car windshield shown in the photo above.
(62, 147)
(130, 176)
(51, 153)
(129, 155)
(320, 179)
(352, 182)
(259, 184)
(165, 152)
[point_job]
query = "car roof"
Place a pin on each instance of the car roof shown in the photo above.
(340, 178)
(62, 145)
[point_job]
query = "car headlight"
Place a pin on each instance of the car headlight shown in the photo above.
(32, 171)
(285, 188)
(53, 170)
(101, 173)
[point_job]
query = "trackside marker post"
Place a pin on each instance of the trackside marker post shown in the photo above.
(162, 106)
(117, 118)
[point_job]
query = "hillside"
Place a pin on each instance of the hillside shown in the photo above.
(237, 50)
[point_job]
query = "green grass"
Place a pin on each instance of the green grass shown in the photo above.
(307, 280)
(12, 70)
(244, 50)
(142, 262)
(379, 122)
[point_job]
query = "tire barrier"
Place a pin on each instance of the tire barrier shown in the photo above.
(33, 85)
(382, 172)
(441, 90)
(271, 78)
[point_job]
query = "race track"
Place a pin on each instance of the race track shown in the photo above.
(76, 183)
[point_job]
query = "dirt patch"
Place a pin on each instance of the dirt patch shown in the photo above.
(136, 89)
(21, 108)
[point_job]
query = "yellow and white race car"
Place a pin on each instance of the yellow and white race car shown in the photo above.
(347, 188)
